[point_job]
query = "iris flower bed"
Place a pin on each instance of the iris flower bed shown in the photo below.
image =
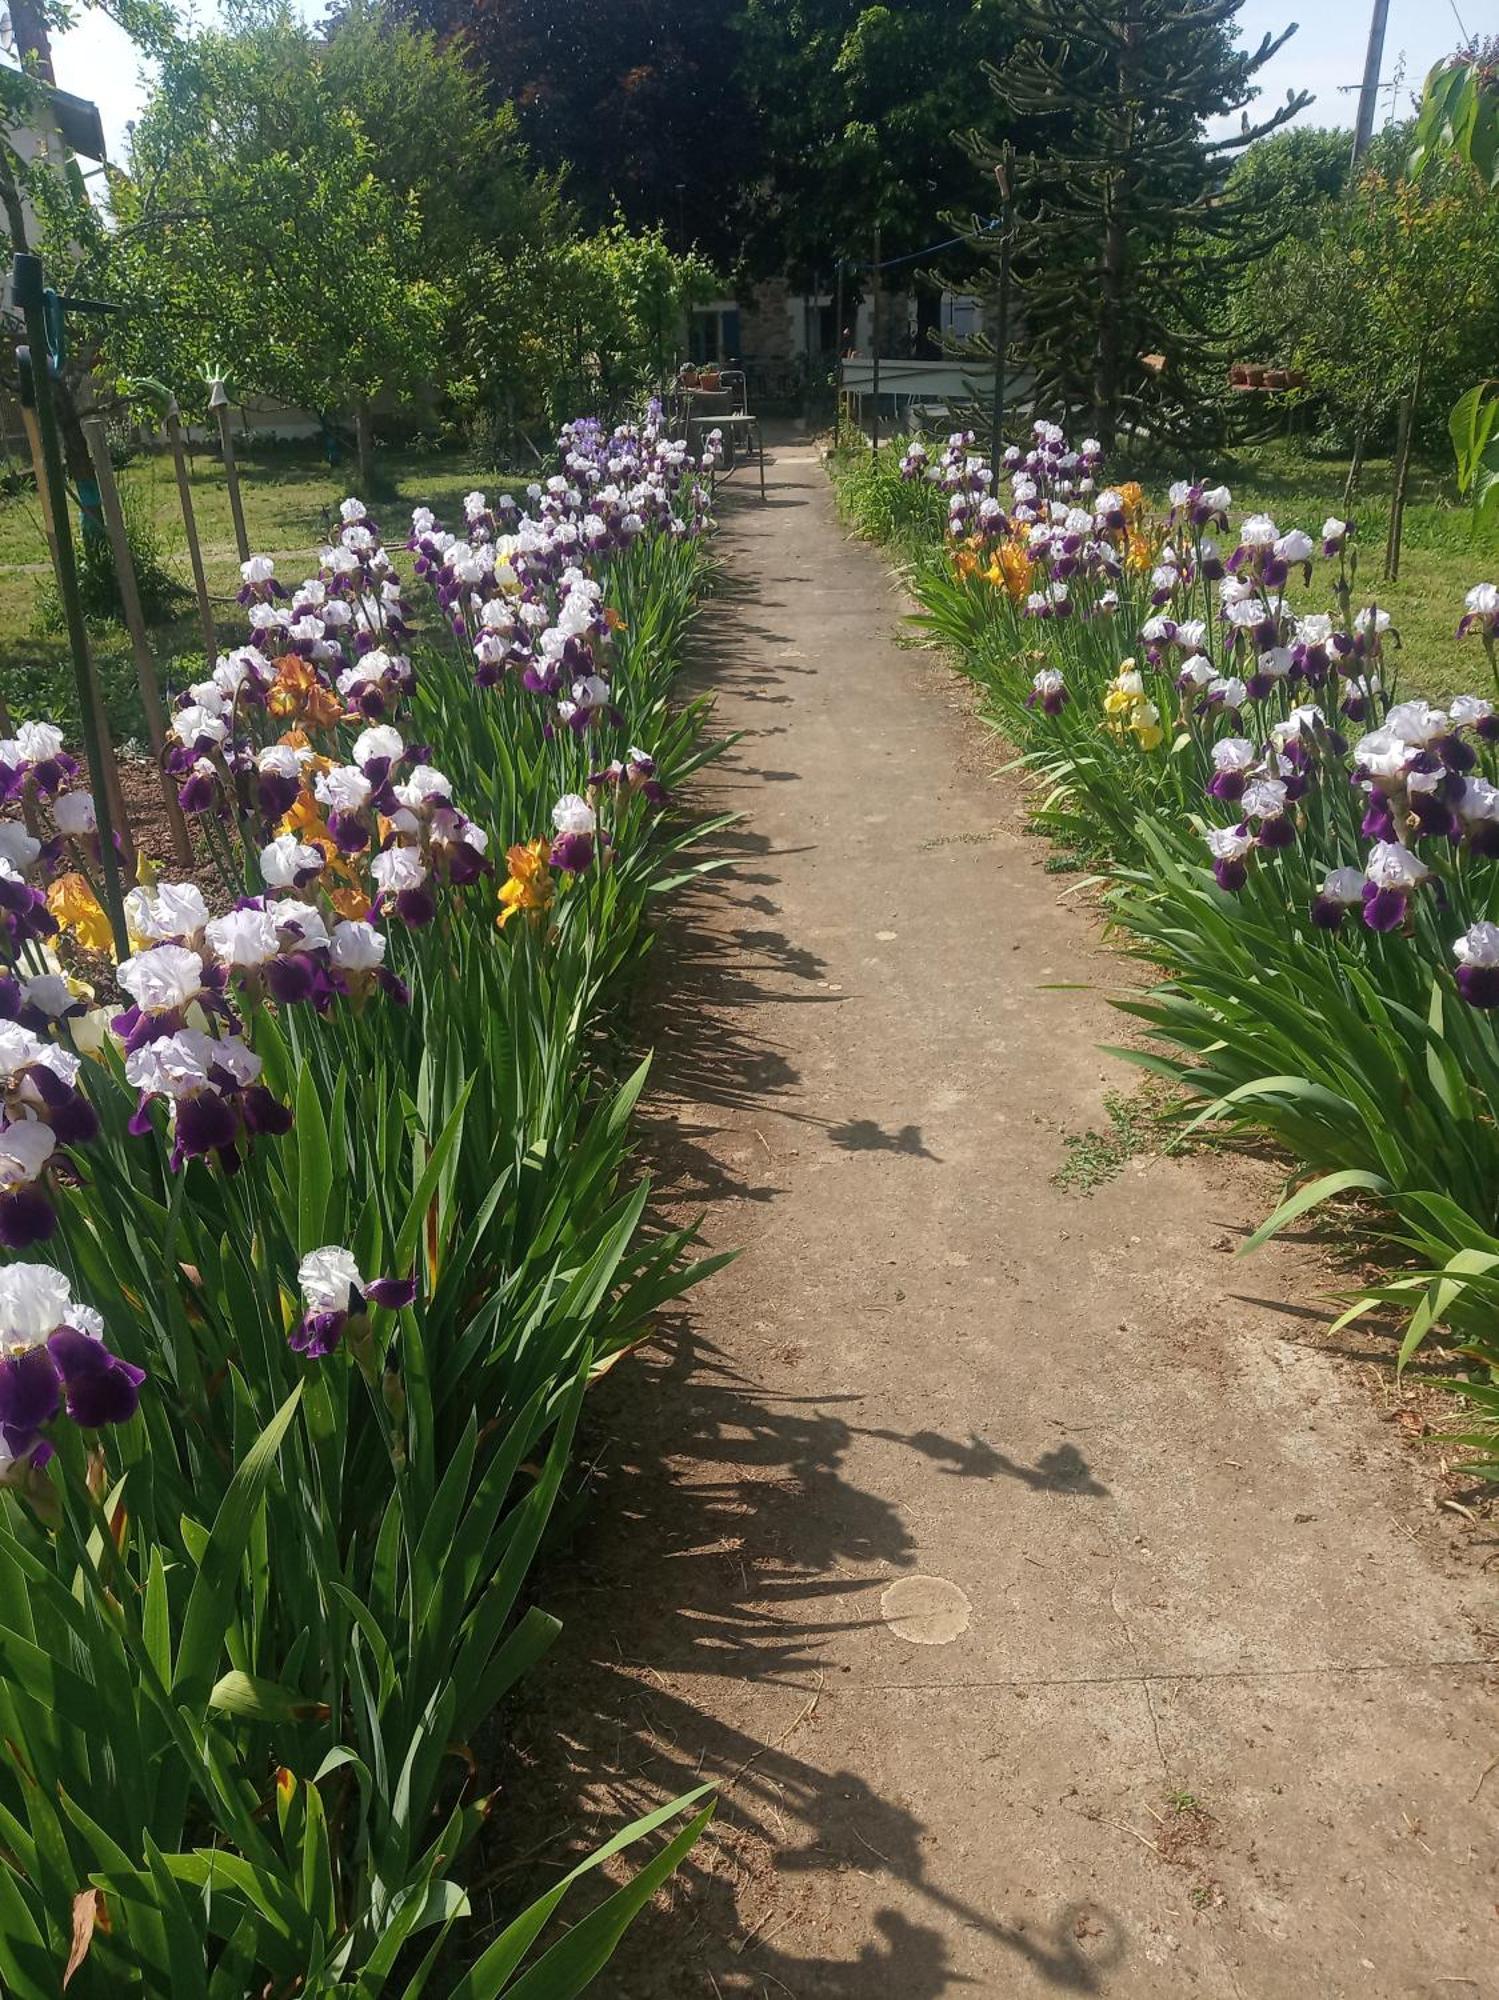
(1210, 709)
(318, 1217)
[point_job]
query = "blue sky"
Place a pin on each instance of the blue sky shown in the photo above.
(96, 60)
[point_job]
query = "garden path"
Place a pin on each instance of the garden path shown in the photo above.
(1063, 1612)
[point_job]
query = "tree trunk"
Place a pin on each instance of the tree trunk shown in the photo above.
(1355, 470)
(364, 451)
(1402, 473)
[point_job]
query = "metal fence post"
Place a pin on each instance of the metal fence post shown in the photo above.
(27, 294)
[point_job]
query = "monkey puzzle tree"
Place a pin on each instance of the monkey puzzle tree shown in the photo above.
(1105, 102)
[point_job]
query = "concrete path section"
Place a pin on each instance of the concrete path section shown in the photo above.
(1060, 1615)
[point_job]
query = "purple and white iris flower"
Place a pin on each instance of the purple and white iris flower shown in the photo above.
(1477, 955)
(1233, 758)
(575, 840)
(1480, 616)
(53, 1361)
(1392, 875)
(211, 1084)
(34, 759)
(1230, 847)
(1342, 890)
(1048, 692)
(329, 1280)
(39, 1079)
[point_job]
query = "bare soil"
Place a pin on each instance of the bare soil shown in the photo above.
(1057, 1607)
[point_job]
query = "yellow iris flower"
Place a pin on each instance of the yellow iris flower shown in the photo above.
(78, 909)
(529, 885)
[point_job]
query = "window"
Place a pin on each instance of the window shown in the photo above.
(713, 334)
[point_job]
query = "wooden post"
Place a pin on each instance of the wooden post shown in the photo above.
(173, 422)
(218, 402)
(135, 624)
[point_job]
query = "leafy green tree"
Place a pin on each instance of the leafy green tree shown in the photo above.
(1459, 121)
(300, 213)
(640, 101)
(577, 322)
(1106, 103)
(1392, 306)
(1291, 177)
(861, 108)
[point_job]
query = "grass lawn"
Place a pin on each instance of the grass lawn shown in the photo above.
(290, 497)
(1440, 558)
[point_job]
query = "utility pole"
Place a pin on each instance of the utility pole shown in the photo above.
(874, 428)
(1363, 132)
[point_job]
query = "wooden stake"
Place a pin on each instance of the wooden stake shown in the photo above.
(135, 624)
(194, 552)
(218, 402)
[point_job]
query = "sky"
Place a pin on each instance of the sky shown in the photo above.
(96, 60)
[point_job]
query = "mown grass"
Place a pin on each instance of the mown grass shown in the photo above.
(1442, 556)
(290, 498)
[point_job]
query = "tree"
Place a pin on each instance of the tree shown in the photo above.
(578, 322)
(298, 213)
(640, 101)
(1459, 121)
(1291, 176)
(1106, 102)
(861, 108)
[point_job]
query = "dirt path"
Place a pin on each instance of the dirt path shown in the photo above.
(1064, 1619)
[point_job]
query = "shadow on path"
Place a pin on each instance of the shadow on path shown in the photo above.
(723, 1542)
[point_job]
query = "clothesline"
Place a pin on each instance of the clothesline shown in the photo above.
(888, 263)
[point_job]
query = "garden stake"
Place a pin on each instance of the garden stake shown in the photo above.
(26, 292)
(130, 600)
(218, 402)
(173, 422)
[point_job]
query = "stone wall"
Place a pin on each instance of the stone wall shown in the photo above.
(766, 322)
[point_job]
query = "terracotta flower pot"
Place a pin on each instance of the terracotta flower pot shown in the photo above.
(689, 378)
(1238, 374)
(1254, 375)
(1277, 378)
(708, 379)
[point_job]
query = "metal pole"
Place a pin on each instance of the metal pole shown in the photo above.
(173, 422)
(135, 624)
(874, 423)
(840, 409)
(1368, 95)
(26, 292)
(218, 402)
